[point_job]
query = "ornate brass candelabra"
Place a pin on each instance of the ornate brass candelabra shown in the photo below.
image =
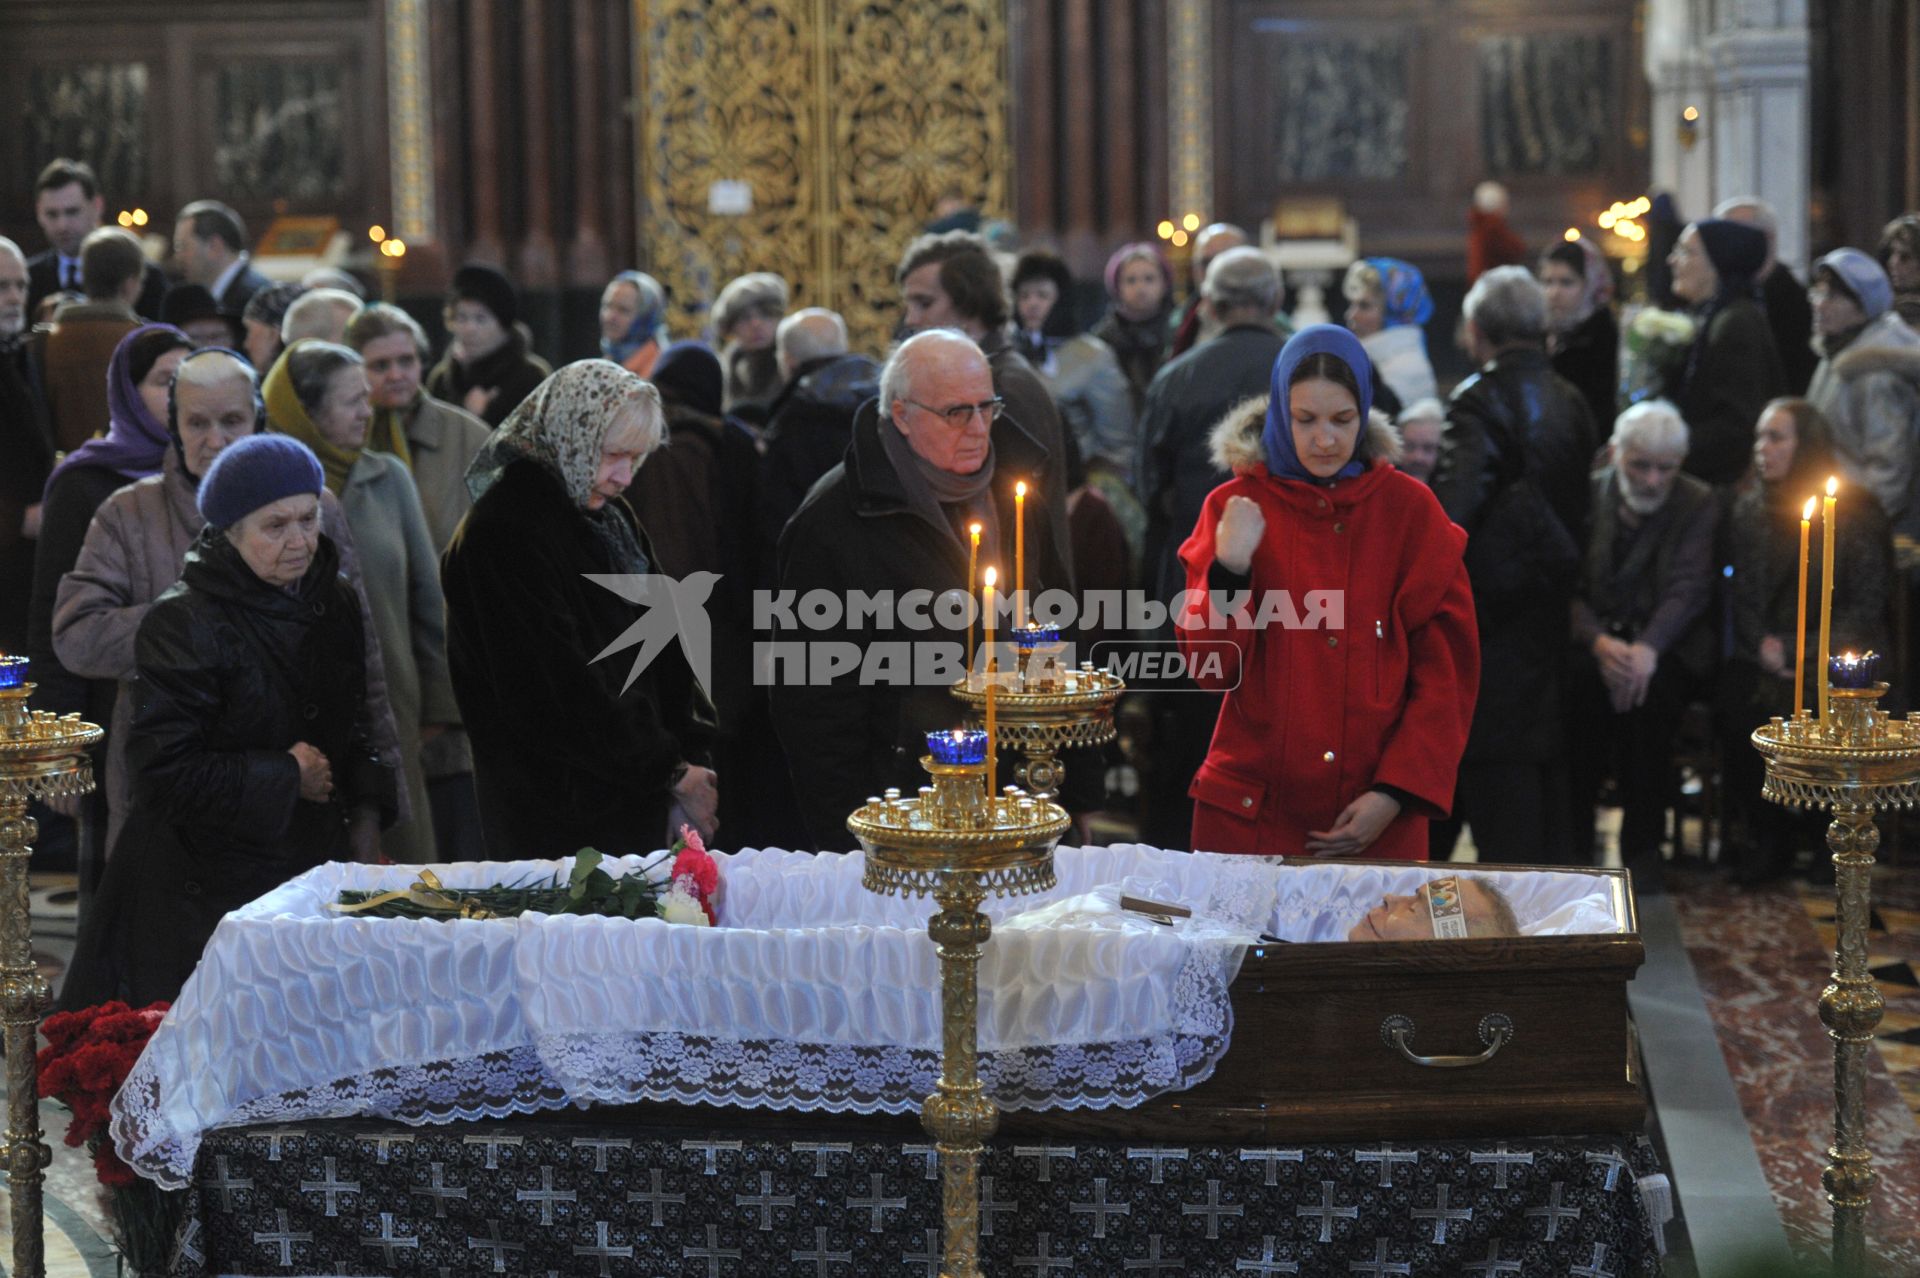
(41, 757)
(958, 844)
(1042, 709)
(1856, 762)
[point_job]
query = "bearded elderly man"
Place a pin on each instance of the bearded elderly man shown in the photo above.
(930, 456)
(1640, 638)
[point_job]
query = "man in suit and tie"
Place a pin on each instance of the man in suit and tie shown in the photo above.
(68, 204)
(210, 244)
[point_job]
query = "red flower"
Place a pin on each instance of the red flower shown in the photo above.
(695, 864)
(87, 1060)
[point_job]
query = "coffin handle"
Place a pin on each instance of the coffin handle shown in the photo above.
(1496, 1031)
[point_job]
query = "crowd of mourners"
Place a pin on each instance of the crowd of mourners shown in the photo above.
(335, 597)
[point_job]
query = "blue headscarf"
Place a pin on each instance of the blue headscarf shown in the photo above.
(1403, 291)
(646, 324)
(1283, 462)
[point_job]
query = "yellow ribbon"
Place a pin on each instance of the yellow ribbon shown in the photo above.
(427, 892)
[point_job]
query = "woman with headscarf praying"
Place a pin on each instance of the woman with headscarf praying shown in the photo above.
(542, 580)
(1732, 368)
(633, 321)
(138, 380)
(1387, 309)
(1583, 339)
(1337, 737)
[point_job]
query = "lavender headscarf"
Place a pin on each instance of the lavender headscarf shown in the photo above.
(135, 444)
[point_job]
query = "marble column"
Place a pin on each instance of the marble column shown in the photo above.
(1190, 108)
(537, 256)
(587, 254)
(1678, 77)
(410, 123)
(483, 157)
(1758, 123)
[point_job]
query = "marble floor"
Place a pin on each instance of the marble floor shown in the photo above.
(1761, 957)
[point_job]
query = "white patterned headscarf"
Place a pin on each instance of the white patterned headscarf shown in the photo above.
(561, 428)
(563, 425)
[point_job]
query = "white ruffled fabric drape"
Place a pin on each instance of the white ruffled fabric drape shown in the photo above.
(815, 995)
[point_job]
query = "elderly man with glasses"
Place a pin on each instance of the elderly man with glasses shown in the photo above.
(854, 695)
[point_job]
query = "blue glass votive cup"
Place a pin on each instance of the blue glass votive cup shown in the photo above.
(13, 672)
(958, 745)
(1033, 636)
(1850, 671)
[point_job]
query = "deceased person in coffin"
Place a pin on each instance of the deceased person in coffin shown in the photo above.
(1456, 906)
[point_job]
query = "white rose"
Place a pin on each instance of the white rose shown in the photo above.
(682, 907)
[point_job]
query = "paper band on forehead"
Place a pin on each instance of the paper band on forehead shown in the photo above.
(1448, 909)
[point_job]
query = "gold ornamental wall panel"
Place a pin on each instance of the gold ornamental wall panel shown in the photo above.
(843, 121)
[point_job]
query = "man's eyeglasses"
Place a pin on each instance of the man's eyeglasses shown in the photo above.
(960, 416)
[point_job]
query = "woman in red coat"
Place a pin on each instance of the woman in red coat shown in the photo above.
(1355, 659)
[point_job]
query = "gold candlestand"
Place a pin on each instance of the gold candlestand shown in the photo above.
(1041, 709)
(41, 757)
(1859, 761)
(959, 845)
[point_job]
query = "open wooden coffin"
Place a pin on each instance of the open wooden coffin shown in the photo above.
(1315, 1054)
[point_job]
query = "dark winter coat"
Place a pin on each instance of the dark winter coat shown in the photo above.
(1588, 356)
(1657, 591)
(1764, 544)
(1141, 347)
(564, 755)
(1316, 716)
(513, 370)
(1733, 372)
(1790, 318)
(696, 497)
(1177, 470)
(808, 429)
(858, 531)
(232, 672)
(1513, 473)
(26, 458)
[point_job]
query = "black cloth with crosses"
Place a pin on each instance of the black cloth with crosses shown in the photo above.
(540, 1197)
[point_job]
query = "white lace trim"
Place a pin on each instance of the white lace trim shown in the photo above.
(685, 1069)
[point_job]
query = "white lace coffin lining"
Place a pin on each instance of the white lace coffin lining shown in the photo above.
(815, 995)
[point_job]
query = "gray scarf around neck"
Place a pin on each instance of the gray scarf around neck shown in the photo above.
(936, 494)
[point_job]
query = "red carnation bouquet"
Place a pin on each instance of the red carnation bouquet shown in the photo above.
(693, 881)
(88, 1056)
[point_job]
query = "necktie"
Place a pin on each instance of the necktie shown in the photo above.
(69, 274)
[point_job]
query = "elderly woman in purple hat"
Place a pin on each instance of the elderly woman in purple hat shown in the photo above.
(252, 748)
(1733, 367)
(139, 538)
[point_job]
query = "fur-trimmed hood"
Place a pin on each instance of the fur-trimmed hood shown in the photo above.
(1236, 445)
(1879, 349)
